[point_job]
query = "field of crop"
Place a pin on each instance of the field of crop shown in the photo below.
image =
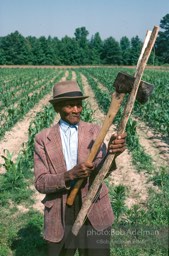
(138, 189)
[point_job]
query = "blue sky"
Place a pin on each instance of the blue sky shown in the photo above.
(58, 18)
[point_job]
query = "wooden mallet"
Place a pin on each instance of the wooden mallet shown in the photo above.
(123, 84)
(127, 112)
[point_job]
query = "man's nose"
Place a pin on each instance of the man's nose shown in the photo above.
(75, 108)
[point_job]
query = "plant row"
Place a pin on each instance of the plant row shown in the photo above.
(155, 111)
(139, 225)
(17, 107)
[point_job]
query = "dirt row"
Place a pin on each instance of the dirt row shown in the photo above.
(165, 68)
(14, 139)
(154, 144)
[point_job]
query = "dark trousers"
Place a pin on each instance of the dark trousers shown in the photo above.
(89, 242)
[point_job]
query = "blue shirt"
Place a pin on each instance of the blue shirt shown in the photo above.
(69, 138)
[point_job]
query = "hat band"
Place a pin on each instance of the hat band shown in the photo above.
(69, 94)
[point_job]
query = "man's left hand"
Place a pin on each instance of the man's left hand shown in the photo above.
(117, 143)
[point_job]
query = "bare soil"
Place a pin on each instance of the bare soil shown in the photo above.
(154, 144)
(14, 139)
(137, 184)
(165, 68)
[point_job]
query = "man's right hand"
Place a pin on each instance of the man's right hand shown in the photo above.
(79, 171)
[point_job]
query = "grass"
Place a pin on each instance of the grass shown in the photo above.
(142, 230)
(22, 236)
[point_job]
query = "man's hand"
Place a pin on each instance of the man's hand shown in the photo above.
(79, 171)
(117, 143)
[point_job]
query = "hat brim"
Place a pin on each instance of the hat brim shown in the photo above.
(55, 100)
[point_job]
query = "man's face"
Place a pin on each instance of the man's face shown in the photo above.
(70, 110)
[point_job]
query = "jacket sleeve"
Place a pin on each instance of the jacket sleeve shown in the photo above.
(45, 181)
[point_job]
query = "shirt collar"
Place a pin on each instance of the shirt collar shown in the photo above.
(65, 126)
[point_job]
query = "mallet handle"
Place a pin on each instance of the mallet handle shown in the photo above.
(116, 101)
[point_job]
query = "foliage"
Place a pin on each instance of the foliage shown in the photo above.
(139, 226)
(111, 53)
(78, 50)
(96, 46)
(24, 88)
(118, 196)
(135, 50)
(125, 48)
(28, 240)
(14, 183)
(155, 111)
(162, 45)
(87, 112)
(140, 159)
(23, 235)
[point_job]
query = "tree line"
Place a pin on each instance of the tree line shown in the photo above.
(16, 49)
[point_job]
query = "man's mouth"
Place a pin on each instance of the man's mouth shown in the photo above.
(76, 116)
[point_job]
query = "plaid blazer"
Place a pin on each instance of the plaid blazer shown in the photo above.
(49, 168)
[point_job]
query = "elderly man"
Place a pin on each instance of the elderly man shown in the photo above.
(59, 161)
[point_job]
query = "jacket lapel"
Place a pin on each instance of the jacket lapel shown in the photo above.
(54, 146)
(54, 149)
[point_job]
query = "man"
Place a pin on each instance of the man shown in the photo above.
(59, 161)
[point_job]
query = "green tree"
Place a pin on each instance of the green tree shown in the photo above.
(162, 44)
(45, 58)
(83, 44)
(69, 51)
(81, 36)
(55, 44)
(96, 46)
(17, 49)
(51, 52)
(2, 52)
(125, 49)
(111, 53)
(37, 52)
(136, 45)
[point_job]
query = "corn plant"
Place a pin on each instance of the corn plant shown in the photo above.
(13, 185)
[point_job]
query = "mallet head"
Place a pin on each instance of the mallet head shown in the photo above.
(124, 83)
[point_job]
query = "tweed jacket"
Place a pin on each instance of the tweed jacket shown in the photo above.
(49, 168)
